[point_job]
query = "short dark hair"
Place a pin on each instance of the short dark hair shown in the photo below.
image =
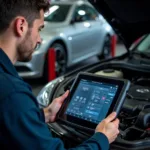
(9, 9)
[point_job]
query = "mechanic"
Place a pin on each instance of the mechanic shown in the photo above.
(22, 124)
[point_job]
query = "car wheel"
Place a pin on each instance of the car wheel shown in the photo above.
(61, 61)
(106, 50)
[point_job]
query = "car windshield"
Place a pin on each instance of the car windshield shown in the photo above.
(57, 13)
(144, 46)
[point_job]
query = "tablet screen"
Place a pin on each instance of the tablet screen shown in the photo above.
(91, 100)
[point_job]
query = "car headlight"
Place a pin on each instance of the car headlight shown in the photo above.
(43, 97)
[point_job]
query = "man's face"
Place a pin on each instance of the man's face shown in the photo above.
(31, 39)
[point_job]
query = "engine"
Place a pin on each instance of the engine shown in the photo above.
(135, 113)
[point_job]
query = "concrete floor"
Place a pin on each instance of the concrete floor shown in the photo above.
(37, 84)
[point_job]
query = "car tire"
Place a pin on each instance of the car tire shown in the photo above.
(61, 61)
(106, 50)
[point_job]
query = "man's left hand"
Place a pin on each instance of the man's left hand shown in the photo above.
(51, 111)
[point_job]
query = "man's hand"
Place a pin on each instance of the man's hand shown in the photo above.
(109, 127)
(51, 111)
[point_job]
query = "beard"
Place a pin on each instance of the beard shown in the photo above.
(26, 48)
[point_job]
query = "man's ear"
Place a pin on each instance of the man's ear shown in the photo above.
(21, 26)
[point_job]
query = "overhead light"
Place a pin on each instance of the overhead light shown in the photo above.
(81, 12)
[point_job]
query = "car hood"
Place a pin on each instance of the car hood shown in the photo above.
(129, 18)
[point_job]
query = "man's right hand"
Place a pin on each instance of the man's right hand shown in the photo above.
(109, 127)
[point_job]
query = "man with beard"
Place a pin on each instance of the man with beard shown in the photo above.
(22, 124)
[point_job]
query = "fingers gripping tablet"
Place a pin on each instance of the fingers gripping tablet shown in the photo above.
(92, 98)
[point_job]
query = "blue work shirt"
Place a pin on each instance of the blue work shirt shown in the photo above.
(22, 123)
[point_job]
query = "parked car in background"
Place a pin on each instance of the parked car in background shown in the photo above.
(131, 24)
(76, 31)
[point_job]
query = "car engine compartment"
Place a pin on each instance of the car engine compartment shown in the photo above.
(135, 113)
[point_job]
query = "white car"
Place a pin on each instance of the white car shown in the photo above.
(76, 30)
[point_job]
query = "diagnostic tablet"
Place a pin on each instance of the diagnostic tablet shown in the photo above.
(92, 98)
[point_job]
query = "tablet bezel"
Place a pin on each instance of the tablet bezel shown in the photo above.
(118, 100)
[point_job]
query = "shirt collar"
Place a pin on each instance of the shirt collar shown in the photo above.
(6, 65)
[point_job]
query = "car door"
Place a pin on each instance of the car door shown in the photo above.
(86, 32)
(96, 30)
(81, 36)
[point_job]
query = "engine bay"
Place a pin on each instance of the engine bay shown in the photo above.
(135, 113)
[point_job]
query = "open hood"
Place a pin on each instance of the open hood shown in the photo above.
(129, 18)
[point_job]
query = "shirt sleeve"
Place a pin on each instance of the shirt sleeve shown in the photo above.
(24, 128)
